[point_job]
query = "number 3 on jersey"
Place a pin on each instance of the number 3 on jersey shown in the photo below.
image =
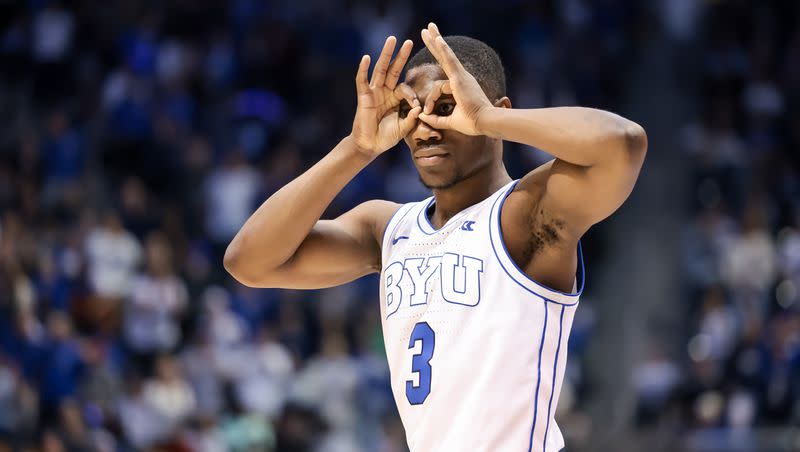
(421, 363)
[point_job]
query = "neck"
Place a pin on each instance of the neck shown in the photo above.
(468, 192)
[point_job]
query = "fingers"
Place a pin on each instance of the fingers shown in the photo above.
(427, 39)
(362, 85)
(382, 65)
(429, 36)
(446, 88)
(441, 51)
(450, 62)
(435, 121)
(439, 88)
(404, 91)
(410, 121)
(399, 62)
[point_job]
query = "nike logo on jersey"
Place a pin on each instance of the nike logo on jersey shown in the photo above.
(398, 238)
(467, 226)
(455, 278)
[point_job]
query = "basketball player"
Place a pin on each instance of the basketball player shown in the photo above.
(479, 283)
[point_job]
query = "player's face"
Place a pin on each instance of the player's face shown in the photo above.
(442, 157)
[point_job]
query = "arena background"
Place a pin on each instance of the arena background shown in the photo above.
(136, 137)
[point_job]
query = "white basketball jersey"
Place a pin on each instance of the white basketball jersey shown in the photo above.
(477, 349)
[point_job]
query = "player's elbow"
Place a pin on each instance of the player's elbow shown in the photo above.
(248, 269)
(244, 277)
(234, 264)
(231, 259)
(635, 139)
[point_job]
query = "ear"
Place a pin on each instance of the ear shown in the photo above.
(503, 102)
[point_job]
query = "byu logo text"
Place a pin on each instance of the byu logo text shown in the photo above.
(409, 283)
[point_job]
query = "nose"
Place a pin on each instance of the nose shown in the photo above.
(423, 132)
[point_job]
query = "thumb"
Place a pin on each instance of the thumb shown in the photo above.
(436, 121)
(408, 123)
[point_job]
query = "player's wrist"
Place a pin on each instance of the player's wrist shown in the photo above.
(358, 150)
(485, 120)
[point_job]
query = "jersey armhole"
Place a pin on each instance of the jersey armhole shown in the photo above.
(392, 224)
(517, 274)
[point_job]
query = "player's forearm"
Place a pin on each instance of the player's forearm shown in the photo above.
(581, 136)
(277, 228)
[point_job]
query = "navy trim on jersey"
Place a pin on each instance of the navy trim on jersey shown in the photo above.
(538, 379)
(424, 223)
(553, 384)
(424, 214)
(580, 274)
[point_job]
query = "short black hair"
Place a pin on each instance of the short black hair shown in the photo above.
(477, 57)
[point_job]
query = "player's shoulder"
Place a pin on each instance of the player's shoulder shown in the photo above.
(378, 209)
(526, 194)
(377, 213)
(525, 215)
(534, 182)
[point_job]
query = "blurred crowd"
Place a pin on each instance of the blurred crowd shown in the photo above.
(739, 367)
(136, 138)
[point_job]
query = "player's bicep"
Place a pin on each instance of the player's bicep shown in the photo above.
(583, 195)
(336, 251)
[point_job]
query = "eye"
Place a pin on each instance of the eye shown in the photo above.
(403, 109)
(445, 108)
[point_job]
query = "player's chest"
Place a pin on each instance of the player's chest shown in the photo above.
(434, 274)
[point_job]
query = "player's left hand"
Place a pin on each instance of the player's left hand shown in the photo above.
(471, 101)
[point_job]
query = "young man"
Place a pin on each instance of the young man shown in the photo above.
(479, 283)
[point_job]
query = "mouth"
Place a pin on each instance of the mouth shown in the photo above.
(430, 155)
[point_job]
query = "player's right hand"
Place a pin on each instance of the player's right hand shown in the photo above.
(377, 125)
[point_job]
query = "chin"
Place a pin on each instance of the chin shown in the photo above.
(448, 178)
(439, 182)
